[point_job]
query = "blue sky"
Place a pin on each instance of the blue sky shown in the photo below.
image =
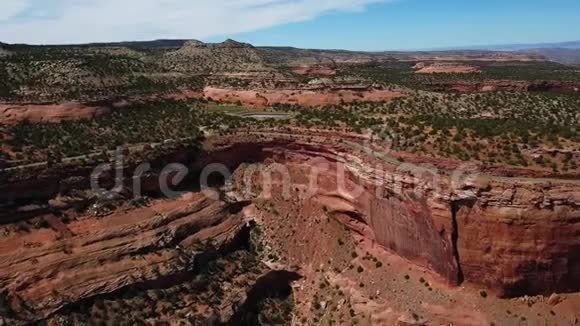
(347, 24)
(416, 24)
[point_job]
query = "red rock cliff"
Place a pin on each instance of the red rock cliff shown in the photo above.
(514, 235)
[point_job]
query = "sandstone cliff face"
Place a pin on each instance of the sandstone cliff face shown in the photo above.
(514, 236)
(521, 237)
(43, 272)
(383, 205)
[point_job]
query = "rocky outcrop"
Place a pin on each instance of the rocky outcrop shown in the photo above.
(232, 44)
(14, 113)
(207, 58)
(146, 245)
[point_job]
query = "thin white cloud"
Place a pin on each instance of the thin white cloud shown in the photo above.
(77, 21)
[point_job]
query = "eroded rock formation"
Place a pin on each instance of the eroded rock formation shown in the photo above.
(43, 271)
(515, 235)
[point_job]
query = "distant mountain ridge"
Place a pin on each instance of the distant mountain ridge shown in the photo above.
(562, 52)
(178, 43)
(519, 47)
(509, 47)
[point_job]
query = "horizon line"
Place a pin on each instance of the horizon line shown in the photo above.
(573, 44)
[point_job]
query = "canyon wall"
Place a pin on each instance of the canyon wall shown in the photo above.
(515, 236)
(522, 237)
(43, 271)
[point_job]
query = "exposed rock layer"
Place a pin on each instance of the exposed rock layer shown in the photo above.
(42, 272)
(514, 235)
(14, 113)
